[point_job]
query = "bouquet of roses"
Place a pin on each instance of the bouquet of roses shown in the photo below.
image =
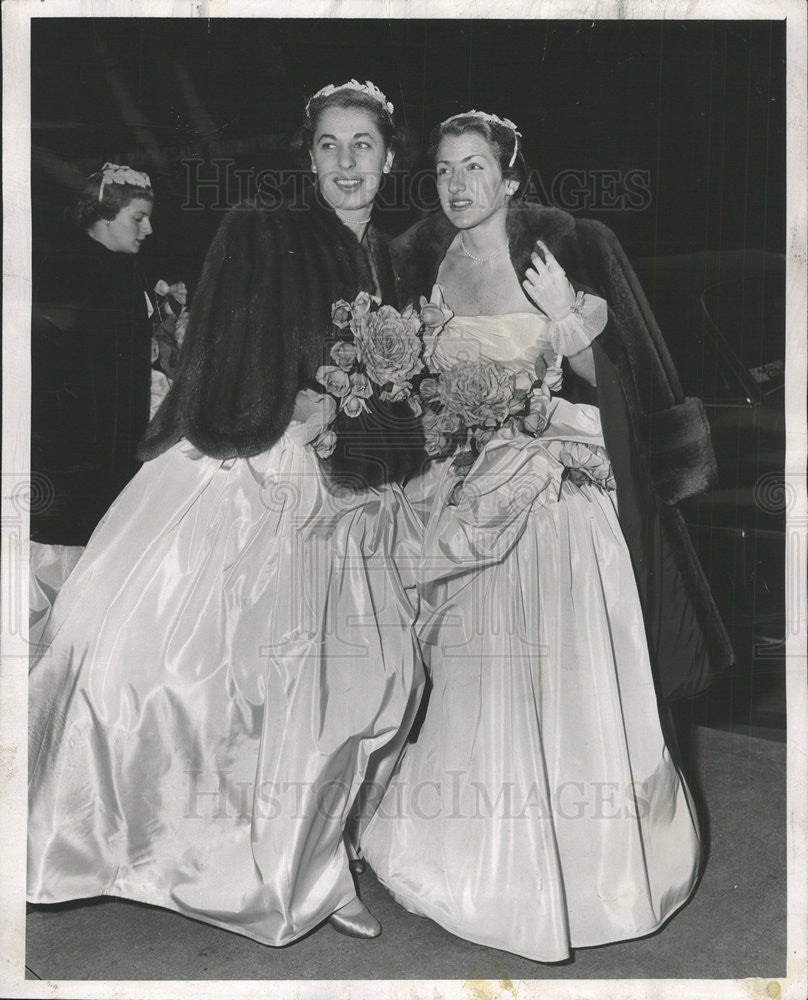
(467, 403)
(377, 353)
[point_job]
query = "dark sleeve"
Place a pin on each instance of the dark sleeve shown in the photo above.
(673, 427)
(89, 392)
(62, 376)
(687, 641)
(660, 448)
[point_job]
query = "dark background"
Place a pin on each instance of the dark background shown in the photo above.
(698, 108)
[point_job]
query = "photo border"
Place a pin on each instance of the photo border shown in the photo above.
(16, 39)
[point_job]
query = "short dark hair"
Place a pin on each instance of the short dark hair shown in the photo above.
(89, 208)
(500, 138)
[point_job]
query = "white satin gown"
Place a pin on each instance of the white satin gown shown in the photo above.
(230, 650)
(539, 809)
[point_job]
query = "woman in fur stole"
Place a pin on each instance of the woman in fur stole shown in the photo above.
(539, 809)
(235, 643)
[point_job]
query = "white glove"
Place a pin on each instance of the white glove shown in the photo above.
(576, 318)
(548, 286)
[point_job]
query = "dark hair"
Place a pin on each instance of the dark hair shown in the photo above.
(89, 209)
(301, 144)
(500, 138)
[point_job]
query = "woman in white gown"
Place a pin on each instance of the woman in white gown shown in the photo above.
(538, 809)
(234, 643)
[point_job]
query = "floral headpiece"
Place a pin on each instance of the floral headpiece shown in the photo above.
(506, 122)
(367, 87)
(114, 173)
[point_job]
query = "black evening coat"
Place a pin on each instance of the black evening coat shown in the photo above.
(90, 386)
(658, 441)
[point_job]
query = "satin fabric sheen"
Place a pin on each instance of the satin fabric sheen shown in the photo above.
(230, 650)
(538, 810)
(48, 568)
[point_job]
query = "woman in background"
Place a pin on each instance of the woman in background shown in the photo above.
(90, 375)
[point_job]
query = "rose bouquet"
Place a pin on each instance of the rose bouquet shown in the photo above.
(377, 353)
(466, 404)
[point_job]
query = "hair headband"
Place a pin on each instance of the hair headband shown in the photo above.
(484, 116)
(368, 88)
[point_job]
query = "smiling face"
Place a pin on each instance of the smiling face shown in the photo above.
(470, 182)
(349, 156)
(130, 227)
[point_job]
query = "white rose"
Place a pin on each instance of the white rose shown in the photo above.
(334, 379)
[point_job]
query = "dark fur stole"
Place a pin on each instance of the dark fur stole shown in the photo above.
(257, 331)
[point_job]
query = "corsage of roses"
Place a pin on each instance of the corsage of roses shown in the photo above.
(377, 352)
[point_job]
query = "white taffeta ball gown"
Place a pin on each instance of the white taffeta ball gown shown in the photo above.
(539, 809)
(229, 651)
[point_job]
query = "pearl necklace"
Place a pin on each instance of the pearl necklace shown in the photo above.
(482, 260)
(352, 222)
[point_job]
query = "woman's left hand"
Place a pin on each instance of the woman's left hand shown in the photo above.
(547, 285)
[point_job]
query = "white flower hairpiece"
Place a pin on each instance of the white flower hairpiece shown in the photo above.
(367, 87)
(506, 122)
(114, 173)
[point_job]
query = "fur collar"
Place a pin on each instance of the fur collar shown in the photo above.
(417, 254)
